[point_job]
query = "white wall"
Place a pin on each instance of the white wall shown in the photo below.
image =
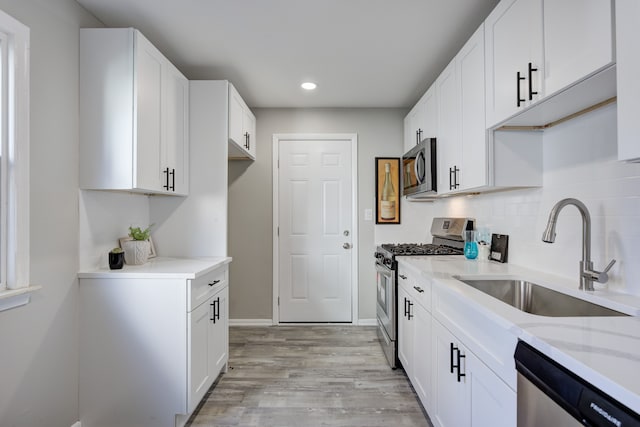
(105, 217)
(38, 342)
(580, 162)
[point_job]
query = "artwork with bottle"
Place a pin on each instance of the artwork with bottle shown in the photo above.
(387, 191)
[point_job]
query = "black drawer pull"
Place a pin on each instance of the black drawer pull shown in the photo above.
(419, 289)
(215, 282)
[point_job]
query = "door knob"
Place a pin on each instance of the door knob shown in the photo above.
(346, 245)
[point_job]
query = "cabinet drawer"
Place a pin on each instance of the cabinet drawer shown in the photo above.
(202, 288)
(417, 286)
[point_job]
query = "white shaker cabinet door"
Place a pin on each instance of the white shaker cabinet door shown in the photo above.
(513, 40)
(628, 70)
(148, 69)
(578, 40)
(199, 353)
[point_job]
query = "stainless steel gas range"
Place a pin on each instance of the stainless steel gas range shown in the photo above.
(448, 239)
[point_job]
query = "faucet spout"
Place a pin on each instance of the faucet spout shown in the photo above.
(549, 236)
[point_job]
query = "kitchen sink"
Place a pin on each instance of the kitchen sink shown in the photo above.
(535, 299)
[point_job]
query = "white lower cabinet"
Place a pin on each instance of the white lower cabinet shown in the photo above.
(150, 347)
(466, 392)
(455, 386)
(208, 343)
(414, 333)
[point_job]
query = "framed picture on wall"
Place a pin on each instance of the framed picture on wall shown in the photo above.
(387, 190)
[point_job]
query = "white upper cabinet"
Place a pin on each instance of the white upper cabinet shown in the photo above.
(575, 39)
(578, 40)
(242, 128)
(449, 149)
(628, 70)
(422, 121)
(133, 115)
(514, 58)
(473, 134)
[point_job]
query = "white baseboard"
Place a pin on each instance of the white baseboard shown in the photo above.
(250, 322)
(269, 322)
(77, 424)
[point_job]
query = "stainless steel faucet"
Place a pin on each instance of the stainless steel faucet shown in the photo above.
(587, 274)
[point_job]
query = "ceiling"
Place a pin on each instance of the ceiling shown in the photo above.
(361, 53)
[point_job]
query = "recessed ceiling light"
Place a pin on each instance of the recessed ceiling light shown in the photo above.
(308, 85)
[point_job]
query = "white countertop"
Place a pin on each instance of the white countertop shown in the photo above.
(161, 268)
(605, 351)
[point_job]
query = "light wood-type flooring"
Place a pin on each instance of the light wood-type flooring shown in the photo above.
(309, 376)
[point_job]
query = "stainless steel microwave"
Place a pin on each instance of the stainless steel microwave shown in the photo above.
(419, 176)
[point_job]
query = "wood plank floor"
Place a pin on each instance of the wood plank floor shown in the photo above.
(309, 376)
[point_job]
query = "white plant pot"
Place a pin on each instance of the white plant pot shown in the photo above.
(136, 252)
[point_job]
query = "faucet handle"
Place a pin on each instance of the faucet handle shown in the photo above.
(599, 276)
(608, 267)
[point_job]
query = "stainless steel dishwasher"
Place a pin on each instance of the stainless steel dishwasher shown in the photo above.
(550, 395)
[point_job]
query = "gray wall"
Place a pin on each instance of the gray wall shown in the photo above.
(380, 133)
(38, 342)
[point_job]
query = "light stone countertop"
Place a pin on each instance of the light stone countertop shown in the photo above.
(604, 351)
(161, 268)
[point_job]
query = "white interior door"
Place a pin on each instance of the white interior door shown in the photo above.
(315, 235)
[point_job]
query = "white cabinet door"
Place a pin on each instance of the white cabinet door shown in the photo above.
(199, 353)
(451, 397)
(422, 367)
(493, 403)
(405, 331)
(473, 135)
(175, 135)
(249, 131)
(422, 121)
(149, 86)
(449, 148)
(219, 333)
(628, 70)
(242, 124)
(514, 58)
(578, 40)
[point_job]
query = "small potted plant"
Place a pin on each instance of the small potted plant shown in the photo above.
(116, 258)
(136, 251)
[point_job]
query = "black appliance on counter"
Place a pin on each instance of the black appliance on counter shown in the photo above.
(448, 239)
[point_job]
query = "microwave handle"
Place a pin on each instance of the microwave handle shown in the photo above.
(416, 167)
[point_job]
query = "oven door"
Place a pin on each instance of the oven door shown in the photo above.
(386, 299)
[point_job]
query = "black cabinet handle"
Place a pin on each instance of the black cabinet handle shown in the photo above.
(451, 187)
(456, 170)
(402, 276)
(456, 365)
(215, 282)
(166, 175)
(518, 79)
(213, 311)
(406, 311)
(419, 289)
(453, 178)
(452, 348)
(409, 315)
(417, 137)
(216, 310)
(173, 179)
(531, 71)
(460, 374)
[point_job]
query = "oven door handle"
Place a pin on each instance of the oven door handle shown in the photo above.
(383, 269)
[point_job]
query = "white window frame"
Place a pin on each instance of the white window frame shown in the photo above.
(14, 141)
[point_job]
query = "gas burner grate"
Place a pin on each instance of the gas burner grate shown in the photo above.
(407, 249)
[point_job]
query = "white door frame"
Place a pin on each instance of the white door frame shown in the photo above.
(353, 137)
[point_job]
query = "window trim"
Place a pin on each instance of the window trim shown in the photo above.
(15, 191)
